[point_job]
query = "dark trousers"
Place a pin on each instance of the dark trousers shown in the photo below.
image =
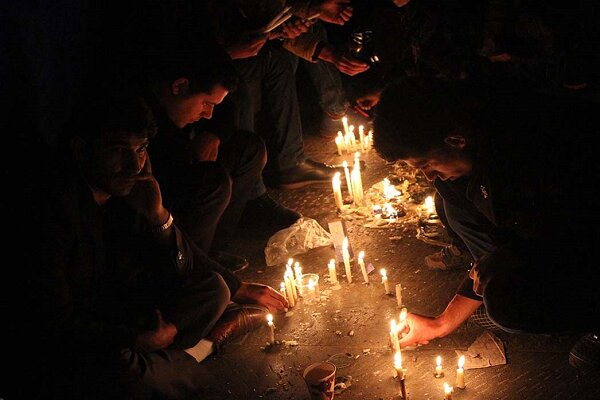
(545, 286)
(268, 84)
(208, 198)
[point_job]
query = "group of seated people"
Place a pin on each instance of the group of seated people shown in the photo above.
(186, 112)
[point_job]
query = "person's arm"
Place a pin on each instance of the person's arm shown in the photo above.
(419, 329)
(343, 62)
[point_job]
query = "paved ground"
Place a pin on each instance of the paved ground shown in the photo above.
(536, 368)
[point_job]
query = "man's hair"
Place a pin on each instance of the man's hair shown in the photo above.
(110, 111)
(205, 64)
(415, 115)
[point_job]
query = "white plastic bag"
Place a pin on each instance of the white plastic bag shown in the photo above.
(301, 236)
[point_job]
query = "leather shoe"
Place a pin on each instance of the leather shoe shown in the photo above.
(230, 261)
(237, 321)
(308, 172)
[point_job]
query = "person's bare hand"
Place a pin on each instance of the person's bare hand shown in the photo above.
(247, 47)
(345, 63)
(146, 198)
(205, 147)
(291, 29)
(368, 101)
(418, 329)
(256, 293)
(159, 338)
(334, 11)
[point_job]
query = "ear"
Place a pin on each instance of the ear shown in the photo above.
(180, 86)
(456, 140)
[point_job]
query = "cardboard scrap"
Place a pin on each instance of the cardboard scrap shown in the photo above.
(486, 351)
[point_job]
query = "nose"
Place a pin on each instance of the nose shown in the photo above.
(133, 163)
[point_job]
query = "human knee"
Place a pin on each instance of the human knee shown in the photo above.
(212, 179)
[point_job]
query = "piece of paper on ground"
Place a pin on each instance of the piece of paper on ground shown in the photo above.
(486, 351)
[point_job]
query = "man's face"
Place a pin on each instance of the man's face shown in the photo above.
(189, 108)
(444, 164)
(112, 163)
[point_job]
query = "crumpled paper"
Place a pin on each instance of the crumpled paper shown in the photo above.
(486, 351)
(301, 236)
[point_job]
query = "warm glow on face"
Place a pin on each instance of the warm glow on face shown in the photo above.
(383, 273)
(461, 362)
(438, 361)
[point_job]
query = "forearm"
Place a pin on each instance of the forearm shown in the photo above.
(458, 310)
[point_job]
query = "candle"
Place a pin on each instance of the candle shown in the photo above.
(429, 205)
(289, 263)
(282, 291)
(293, 284)
(394, 336)
(346, 256)
(361, 137)
(337, 191)
(401, 373)
(332, 272)
(297, 272)
(370, 140)
(347, 173)
(345, 123)
(384, 280)
(447, 391)
(399, 294)
(352, 138)
(271, 329)
(460, 373)
(363, 269)
(339, 143)
(438, 367)
(402, 317)
(357, 192)
(289, 289)
(312, 294)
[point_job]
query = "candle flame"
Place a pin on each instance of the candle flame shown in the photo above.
(270, 318)
(331, 263)
(361, 255)
(336, 180)
(461, 361)
(290, 261)
(282, 286)
(430, 204)
(393, 327)
(398, 360)
(383, 273)
(361, 128)
(447, 388)
(403, 314)
(357, 154)
(345, 244)
(311, 284)
(344, 119)
(351, 128)
(438, 361)
(345, 164)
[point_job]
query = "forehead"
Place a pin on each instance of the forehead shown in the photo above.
(416, 162)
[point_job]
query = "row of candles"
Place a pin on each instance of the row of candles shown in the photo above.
(346, 142)
(353, 183)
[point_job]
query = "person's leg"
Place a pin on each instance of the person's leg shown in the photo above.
(198, 197)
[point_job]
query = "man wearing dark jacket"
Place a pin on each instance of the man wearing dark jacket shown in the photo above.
(515, 181)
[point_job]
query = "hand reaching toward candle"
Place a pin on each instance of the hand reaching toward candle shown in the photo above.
(418, 329)
(256, 293)
(345, 63)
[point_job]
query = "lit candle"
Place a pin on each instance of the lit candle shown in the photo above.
(447, 391)
(332, 272)
(384, 280)
(312, 294)
(438, 367)
(282, 291)
(339, 143)
(357, 192)
(290, 262)
(298, 272)
(401, 373)
(361, 263)
(370, 138)
(345, 123)
(337, 191)
(361, 137)
(289, 289)
(460, 373)
(394, 336)
(402, 317)
(346, 256)
(347, 173)
(271, 329)
(293, 284)
(352, 138)
(429, 205)
(399, 294)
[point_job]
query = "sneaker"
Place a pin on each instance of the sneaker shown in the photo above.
(585, 354)
(266, 212)
(230, 261)
(449, 257)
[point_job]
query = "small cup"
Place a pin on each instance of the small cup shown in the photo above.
(309, 292)
(320, 379)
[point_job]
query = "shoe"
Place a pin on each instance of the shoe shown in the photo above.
(585, 354)
(306, 173)
(266, 212)
(230, 261)
(235, 322)
(449, 257)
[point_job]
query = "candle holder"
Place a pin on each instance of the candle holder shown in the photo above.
(308, 288)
